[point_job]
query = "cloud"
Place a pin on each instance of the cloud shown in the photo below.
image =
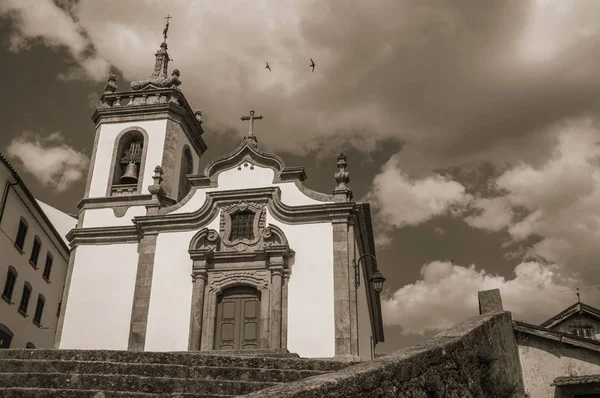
(44, 20)
(54, 163)
(401, 201)
(494, 214)
(556, 202)
(447, 294)
(449, 79)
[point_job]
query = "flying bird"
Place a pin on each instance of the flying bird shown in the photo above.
(312, 64)
(268, 67)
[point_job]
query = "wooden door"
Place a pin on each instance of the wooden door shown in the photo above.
(238, 319)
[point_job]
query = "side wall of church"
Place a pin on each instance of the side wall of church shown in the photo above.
(365, 331)
(311, 320)
(98, 307)
(101, 171)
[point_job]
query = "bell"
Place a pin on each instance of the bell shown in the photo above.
(131, 174)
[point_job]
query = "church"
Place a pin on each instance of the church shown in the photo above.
(241, 256)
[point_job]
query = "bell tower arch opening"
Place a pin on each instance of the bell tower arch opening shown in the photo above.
(128, 162)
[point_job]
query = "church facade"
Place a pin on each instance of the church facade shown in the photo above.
(240, 257)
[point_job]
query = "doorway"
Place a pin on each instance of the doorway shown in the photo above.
(238, 319)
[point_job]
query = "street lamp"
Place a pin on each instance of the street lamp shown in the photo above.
(377, 278)
(377, 281)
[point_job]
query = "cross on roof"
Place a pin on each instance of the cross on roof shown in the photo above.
(251, 117)
(166, 27)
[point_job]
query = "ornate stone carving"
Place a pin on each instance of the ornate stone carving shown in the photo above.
(258, 279)
(242, 244)
(342, 177)
(111, 85)
(206, 239)
(158, 82)
(198, 115)
(156, 189)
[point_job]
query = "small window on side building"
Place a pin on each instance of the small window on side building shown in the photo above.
(48, 266)
(35, 252)
(9, 284)
(21, 234)
(39, 309)
(25, 299)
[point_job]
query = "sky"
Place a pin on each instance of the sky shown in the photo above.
(471, 127)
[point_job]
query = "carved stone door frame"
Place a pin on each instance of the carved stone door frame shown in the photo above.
(218, 264)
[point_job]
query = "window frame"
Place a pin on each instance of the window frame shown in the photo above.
(22, 231)
(23, 309)
(39, 310)
(36, 249)
(8, 297)
(48, 266)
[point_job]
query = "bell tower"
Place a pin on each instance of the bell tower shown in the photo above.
(149, 125)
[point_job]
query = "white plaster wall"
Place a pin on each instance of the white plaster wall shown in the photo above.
(311, 321)
(98, 308)
(365, 332)
(171, 293)
(544, 360)
(156, 130)
(106, 217)
(246, 178)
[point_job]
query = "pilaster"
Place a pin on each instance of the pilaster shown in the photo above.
(141, 295)
(275, 305)
(199, 277)
(341, 294)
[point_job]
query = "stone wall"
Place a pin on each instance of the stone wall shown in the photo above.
(475, 358)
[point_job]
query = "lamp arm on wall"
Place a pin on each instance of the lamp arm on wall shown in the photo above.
(356, 266)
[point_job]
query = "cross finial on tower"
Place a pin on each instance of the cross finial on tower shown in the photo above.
(168, 17)
(251, 117)
(578, 296)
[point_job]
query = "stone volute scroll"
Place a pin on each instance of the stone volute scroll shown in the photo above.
(342, 193)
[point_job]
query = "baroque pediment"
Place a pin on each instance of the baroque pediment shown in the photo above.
(249, 153)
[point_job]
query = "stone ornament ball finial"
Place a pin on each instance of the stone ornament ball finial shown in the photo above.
(342, 177)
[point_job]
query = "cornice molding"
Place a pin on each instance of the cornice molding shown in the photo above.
(177, 110)
(103, 236)
(114, 201)
(270, 196)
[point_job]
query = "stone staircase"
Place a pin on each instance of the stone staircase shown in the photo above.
(106, 374)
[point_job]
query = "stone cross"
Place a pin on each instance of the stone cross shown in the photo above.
(251, 117)
(166, 27)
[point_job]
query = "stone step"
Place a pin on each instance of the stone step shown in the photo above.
(177, 358)
(151, 370)
(130, 383)
(23, 392)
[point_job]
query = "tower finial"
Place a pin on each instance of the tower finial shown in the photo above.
(166, 28)
(578, 296)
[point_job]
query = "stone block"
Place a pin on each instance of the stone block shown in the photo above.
(490, 301)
